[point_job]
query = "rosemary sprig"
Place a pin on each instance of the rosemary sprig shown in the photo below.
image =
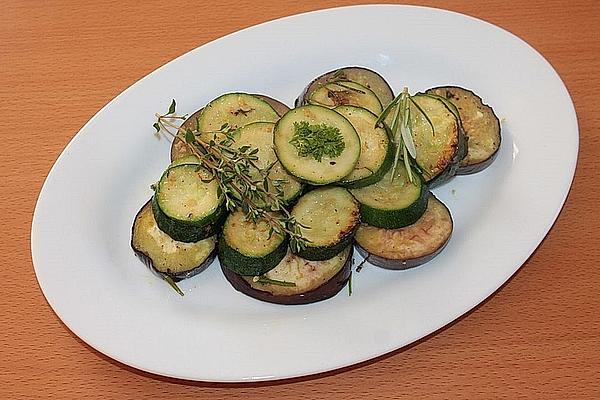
(242, 183)
(172, 283)
(267, 281)
(402, 129)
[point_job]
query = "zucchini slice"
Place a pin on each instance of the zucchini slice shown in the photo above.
(393, 204)
(186, 203)
(259, 135)
(330, 167)
(279, 107)
(438, 152)
(462, 136)
(366, 77)
(167, 256)
(376, 149)
(410, 246)
(481, 125)
(328, 218)
(236, 110)
(248, 248)
(346, 93)
(296, 280)
(179, 148)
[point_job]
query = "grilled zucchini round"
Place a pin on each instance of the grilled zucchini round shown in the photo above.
(250, 248)
(328, 218)
(307, 167)
(376, 148)
(481, 126)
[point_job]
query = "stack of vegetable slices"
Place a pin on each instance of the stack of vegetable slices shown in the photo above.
(342, 171)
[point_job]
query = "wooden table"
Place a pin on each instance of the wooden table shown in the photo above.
(60, 61)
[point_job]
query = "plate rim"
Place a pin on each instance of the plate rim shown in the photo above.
(550, 222)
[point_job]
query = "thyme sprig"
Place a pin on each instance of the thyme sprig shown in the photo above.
(402, 129)
(243, 184)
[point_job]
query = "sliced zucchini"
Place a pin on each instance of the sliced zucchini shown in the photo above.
(235, 110)
(180, 149)
(296, 280)
(376, 149)
(392, 204)
(328, 218)
(259, 135)
(249, 248)
(481, 126)
(346, 93)
(291, 187)
(410, 246)
(187, 204)
(328, 167)
(462, 136)
(167, 256)
(366, 77)
(437, 149)
(277, 105)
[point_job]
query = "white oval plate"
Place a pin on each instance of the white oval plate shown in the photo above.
(81, 227)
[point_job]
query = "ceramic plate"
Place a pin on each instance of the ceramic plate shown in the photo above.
(99, 289)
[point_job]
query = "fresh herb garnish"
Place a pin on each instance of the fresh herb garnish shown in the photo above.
(402, 129)
(267, 281)
(172, 283)
(317, 140)
(242, 183)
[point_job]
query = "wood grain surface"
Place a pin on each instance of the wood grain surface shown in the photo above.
(61, 61)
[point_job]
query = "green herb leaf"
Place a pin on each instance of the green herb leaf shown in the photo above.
(189, 136)
(172, 107)
(172, 283)
(317, 140)
(156, 126)
(267, 281)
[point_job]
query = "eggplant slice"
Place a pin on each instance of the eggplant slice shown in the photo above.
(481, 126)
(305, 281)
(166, 256)
(410, 246)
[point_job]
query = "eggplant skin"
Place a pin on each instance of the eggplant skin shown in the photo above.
(145, 258)
(387, 263)
(327, 290)
(478, 167)
(149, 262)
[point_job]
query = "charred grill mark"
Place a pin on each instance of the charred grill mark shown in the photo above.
(450, 95)
(339, 97)
(242, 111)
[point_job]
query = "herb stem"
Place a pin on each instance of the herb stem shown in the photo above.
(230, 166)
